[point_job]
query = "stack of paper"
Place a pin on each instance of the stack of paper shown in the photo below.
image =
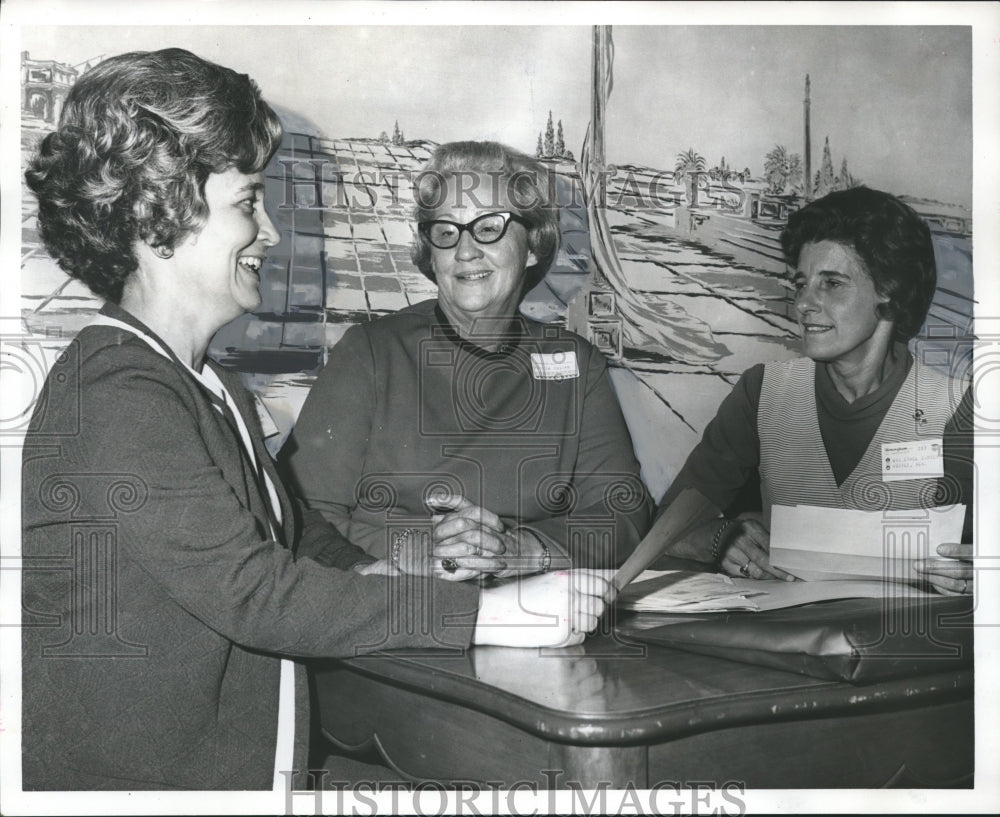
(773, 594)
(679, 591)
(683, 591)
(832, 543)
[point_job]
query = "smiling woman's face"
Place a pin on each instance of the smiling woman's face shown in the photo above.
(222, 259)
(479, 280)
(836, 305)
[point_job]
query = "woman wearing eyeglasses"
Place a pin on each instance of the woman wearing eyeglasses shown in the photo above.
(456, 436)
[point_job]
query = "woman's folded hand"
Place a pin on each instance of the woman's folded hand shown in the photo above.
(467, 540)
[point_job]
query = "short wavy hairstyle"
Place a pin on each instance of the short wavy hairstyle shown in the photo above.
(529, 187)
(892, 241)
(137, 139)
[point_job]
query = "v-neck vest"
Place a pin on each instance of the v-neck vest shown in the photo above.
(794, 465)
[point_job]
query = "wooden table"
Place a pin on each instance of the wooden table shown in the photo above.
(617, 712)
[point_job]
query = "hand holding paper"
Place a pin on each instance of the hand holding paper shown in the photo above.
(951, 573)
(834, 543)
(745, 551)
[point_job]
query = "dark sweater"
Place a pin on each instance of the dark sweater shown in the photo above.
(404, 405)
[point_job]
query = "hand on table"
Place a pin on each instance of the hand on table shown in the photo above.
(555, 609)
(745, 551)
(952, 574)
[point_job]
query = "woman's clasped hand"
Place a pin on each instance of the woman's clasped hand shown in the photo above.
(466, 541)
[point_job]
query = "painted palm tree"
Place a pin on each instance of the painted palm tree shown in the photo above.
(776, 168)
(687, 161)
(783, 172)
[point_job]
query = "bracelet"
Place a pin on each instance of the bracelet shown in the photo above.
(399, 539)
(717, 539)
(545, 559)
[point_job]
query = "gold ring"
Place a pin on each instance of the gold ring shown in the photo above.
(745, 570)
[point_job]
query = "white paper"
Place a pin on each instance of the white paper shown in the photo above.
(833, 543)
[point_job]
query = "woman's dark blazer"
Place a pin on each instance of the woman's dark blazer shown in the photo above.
(155, 603)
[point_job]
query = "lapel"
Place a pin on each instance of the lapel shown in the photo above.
(247, 409)
(246, 405)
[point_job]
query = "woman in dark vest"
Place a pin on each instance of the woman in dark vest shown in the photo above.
(813, 428)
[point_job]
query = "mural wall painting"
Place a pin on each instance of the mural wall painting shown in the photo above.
(673, 270)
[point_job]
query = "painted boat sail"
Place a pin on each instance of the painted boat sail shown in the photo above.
(667, 328)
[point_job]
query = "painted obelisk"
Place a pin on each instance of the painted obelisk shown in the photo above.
(807, 181)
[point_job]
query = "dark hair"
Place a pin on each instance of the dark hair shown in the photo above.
(526, 182)
(137, 139)
(892, 241)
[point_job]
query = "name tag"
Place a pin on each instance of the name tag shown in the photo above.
(556, 366)
(920, 459)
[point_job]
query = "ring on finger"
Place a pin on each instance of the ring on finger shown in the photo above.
(745, 570)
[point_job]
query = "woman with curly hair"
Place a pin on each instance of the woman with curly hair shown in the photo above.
(497, 437)
(813, 428)
(166, 661)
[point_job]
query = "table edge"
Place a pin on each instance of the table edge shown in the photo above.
(669, 720)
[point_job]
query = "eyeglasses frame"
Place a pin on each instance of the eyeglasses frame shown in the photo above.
(425, 228)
